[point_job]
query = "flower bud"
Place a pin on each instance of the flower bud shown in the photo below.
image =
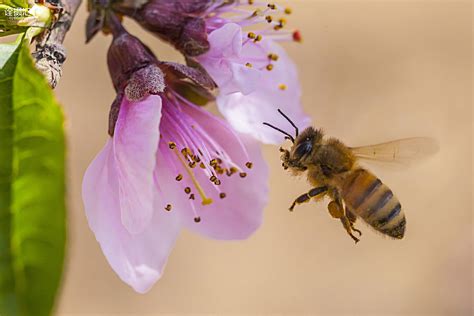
(174, 21)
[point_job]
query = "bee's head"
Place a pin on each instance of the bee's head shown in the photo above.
(304, 144)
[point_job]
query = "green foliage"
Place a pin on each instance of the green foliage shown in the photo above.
(32, 186)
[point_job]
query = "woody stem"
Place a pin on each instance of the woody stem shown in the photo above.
(50, 53)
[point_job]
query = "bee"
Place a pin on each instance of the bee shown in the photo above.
(332, 169)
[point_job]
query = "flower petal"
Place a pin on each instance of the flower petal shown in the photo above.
(134, 147)
(225, 41)
(138, 259)
(246, 114)
(223, 61)
(240, 213)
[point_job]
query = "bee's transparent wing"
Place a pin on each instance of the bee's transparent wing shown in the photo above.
(402, 151)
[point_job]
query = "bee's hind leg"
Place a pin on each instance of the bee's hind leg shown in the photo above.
(337, 211)
(352, 218)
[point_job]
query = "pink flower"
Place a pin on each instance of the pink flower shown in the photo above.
(169, 165)
(253, 72)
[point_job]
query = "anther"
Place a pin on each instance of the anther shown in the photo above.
(288, 11)
(297, 36)
(168, 207)
(192, 164)
(258, 38)
(271, 6)
(251, 2)
(269, 18)
(249, 165)
(232, 170)
(172, 145)
(205, 200)
(192, 197)
(242, 174)
(273, 56)
(179, 177)
(202, 165)
(282, 86)
(197, 219)
(213, 178)
(187, 190)
(282, 22)
(222, 195)
(249, 65)
(217, 182)
(269, 67)
(252, 35)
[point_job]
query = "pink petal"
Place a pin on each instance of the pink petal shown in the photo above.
(223, 62)
(134, 147)
(225, 41)
(246, 114)
(138, 259)
(240, 213)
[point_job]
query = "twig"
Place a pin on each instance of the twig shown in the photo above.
(50, 53)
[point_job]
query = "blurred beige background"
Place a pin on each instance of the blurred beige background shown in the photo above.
(371, 71)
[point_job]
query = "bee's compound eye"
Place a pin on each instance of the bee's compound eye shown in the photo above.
(303, 149)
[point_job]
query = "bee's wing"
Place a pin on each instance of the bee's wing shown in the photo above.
(402, 151)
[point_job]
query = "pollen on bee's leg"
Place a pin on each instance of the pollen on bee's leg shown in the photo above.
(168, 207)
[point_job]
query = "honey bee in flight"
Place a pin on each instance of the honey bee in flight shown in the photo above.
(332, 169)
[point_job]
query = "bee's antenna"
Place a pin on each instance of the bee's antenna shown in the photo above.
(288, 136)
(291, 122)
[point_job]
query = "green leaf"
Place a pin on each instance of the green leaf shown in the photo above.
(32, 187)
(17, 3)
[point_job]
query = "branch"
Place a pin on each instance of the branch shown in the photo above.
(50, 53)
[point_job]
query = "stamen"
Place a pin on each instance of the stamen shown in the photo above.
(243, 174)
(172, 145)
(168, 208)
(187, 190)
(249, 165)
(197, 219)
(222, 195)
(273, 56)
(297, 36)
(179, 177)
(249, 65)
(205, 200)
(272, 6)
(191, 196)
(269, 67)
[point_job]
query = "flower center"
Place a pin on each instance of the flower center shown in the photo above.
(195, 154)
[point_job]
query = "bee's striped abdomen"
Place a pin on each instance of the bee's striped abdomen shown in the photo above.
(374, 202)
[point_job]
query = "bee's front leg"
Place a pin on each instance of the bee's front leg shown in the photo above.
(285, 158)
